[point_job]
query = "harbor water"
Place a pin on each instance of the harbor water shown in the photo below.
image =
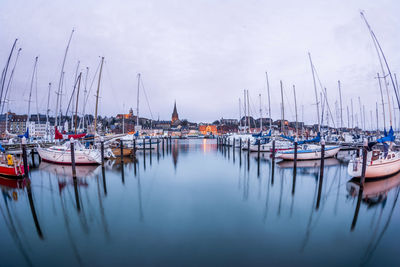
(197, 204)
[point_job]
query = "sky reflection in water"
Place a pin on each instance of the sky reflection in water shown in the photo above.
(195, 204)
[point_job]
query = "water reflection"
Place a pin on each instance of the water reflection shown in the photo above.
(190, 197)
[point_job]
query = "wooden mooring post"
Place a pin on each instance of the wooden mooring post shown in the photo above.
(273, 148)
(322, 165)
(364, 162)
(33, 157)
(121, 146)
(24, 157)
(321, 173)
(295, 155)
(72, 147)
(102, 152)
(294, 167)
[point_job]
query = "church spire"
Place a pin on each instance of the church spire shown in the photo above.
(175, 116)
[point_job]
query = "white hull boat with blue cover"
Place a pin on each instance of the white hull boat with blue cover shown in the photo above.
(307, 152)
(377, 165)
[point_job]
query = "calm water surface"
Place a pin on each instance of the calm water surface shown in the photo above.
(197, 205)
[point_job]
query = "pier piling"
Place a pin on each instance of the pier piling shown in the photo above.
(33, 157)
(121, 145)
(364, 163)
(72, 143)
(295, 155)
(322, 157)
(24, 157)
(273, 149)
(134, 146)
(102, 152)
(150, 147)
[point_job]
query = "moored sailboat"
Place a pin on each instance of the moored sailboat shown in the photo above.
(61, 154)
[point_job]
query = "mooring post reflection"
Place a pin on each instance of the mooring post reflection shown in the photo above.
(33, 209)
(103, 174)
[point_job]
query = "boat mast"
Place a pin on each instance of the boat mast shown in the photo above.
(363, 118)
(361, 122)
(260, 114)
(10, 80)
(352, 114)
(394, 114)
(302, 119)
(315, 90)
(295, 108)
(245, 110)
(378, 49)
(73, 94)
(383, 102)
(97, 95)
(47, 112)
(248, 110)
(282, 111)
(59, 94)
(4, 76)
(371, 121)
(30, 91)
(269, 103)
(377, 121)
(137, 103)
(240, 114)
(348, 117)
(327, 109)
(84, 99)
(322, 109)
(61, 77)
(77, 99)
(341, 108)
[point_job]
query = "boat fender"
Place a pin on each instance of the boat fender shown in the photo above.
(10, 161)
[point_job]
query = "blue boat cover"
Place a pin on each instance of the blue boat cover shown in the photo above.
(26, 134)
(389, 137)
(314, 140)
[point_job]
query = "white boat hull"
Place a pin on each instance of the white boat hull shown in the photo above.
(377, 169)
(82, 157)
(315, 154)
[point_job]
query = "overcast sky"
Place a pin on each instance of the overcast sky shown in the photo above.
(202, 53)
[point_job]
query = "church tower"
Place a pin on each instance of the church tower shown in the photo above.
(175, 116)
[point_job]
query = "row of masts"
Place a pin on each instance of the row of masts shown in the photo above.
(354, 119)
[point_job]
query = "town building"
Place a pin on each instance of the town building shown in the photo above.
(208, 129)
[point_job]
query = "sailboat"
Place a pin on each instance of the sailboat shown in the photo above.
(379, 164)
(61, 154)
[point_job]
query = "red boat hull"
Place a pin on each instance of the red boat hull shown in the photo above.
(11, 171)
